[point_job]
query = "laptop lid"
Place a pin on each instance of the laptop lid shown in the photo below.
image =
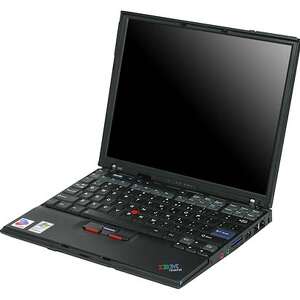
(199, 106)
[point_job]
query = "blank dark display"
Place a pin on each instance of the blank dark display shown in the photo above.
(201, 104)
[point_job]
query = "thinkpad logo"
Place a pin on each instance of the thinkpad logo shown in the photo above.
(170, 267)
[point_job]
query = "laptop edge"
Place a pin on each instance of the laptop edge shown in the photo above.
(67, 235)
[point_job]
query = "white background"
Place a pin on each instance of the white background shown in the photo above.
(55, 66)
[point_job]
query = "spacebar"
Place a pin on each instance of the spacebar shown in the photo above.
(105, 218)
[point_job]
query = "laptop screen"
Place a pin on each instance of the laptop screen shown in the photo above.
(200, 104)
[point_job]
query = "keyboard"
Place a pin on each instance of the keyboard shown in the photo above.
(191, 221)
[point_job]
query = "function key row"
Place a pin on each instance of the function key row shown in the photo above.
(112, 180)
(202, 201)
(242, 212)
(95, 175)
(153, 191)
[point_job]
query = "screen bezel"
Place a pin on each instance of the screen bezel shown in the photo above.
(264, 200)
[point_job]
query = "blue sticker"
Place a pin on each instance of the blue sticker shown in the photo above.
(223, 233)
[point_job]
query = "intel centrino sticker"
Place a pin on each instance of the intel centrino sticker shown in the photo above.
(41, 227)
(22, 223)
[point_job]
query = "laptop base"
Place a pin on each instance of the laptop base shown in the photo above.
(140, 254)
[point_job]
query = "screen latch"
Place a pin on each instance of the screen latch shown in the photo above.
(252, 203)
(114, 167)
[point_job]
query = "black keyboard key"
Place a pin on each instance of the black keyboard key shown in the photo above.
(238, 213)
(233, 207)
(116, 194)
(122, 176)
(166, 225)
(250, 216)
(241, 221)
(191, 231)
(116, 211)
(86, 195)
(214, 206)
(153, 221)
(207, 238)
(203, 253)
(66, 197)
(190, 249)
(186, 240)
(213, 221)
(228, 210)
(119, 182)
(245, 210)
(94, 205)
(76, 209)
(198, 244)
(87, 179)
(92, 188)
(170, 236)
(179, 246)
(71, 191)
(210, 248)
(109, 200)
(83, 202)
(98, 173)
(178, 228)
(97, 198)
(237, 228)
(80, 185)
(105, 208)
(101, 181)
(103, 191)
(63, 205)
(51, 202)
(256, 212)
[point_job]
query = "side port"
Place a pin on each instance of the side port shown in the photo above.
(248, 235)
(235, 243)
(262, 224)
(256, 228)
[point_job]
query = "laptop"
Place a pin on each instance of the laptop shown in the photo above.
(190, 153)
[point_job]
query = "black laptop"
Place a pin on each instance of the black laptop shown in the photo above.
(190, 152)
